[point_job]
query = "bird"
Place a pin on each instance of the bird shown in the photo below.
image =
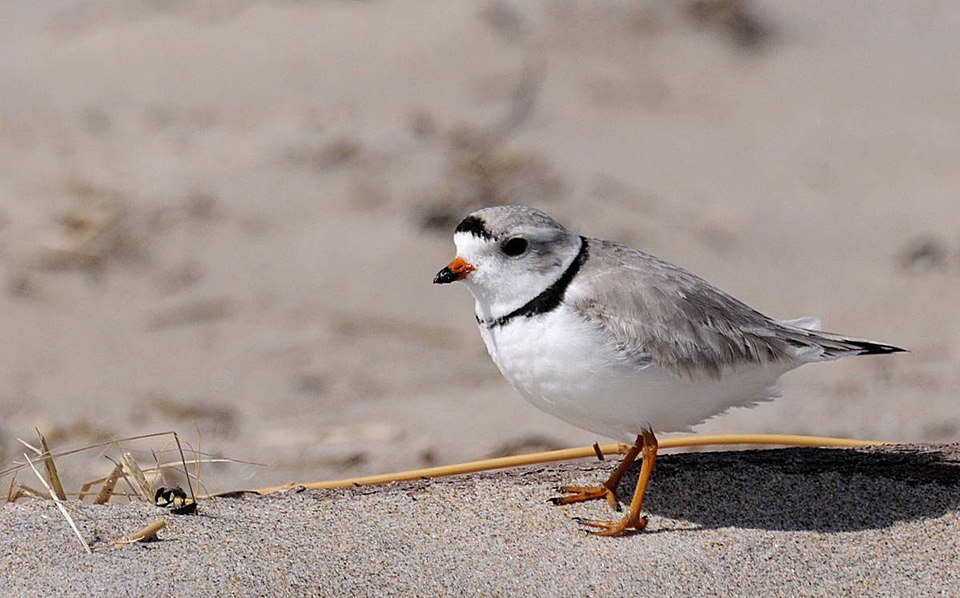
(618, 342)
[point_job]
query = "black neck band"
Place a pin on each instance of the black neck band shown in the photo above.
(550, 298)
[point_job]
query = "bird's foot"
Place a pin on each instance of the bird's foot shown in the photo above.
(632, 522)
(575, 494)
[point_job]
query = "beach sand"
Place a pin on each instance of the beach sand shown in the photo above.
(788, 522)
(223, 218)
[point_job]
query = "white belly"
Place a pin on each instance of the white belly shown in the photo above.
(561, 364)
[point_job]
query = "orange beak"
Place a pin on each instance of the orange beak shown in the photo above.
(455, 270)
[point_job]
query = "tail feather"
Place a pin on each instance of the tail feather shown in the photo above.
(872, 348)
(818, 345)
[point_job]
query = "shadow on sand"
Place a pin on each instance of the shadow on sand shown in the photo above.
(801, 489)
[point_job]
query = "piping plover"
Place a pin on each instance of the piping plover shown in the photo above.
(619, 342)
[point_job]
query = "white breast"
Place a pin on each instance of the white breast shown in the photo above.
(563, 365)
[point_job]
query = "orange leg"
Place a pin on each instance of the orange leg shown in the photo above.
(606, 491)
(647, 446)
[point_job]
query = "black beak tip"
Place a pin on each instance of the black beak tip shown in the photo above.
(445, 276)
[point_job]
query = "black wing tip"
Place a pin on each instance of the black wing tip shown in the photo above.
(870, 348)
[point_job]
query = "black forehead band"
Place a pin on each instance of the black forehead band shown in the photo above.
(474, 226)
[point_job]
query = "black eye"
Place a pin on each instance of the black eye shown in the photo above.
(515, 246)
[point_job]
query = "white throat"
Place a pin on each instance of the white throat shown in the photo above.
(502, 285)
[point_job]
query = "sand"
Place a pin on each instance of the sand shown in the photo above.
(222, 218)
(777, 522)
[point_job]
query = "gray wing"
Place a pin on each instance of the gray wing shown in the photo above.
(661, 314)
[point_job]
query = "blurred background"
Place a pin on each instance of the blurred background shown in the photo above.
(224, 216)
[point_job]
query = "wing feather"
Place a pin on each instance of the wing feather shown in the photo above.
(660, 314)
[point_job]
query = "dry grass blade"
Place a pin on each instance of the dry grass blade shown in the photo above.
(13, 481)
(36, 450)
(51, 468)
(26, 491)
(149, 532)
(186, 472)
(139, 483)
(60, 506)
(85, 448)
(85, 488)
(197, 463)
(145, 534)
(461, 468)
(106, 491)
(118, 442)
(179, 464)
(577, 453)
